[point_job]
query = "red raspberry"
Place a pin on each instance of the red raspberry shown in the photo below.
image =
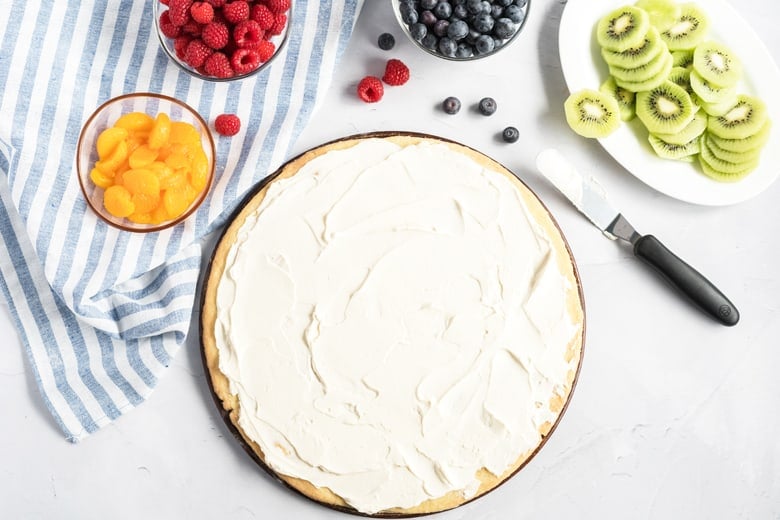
(192, 28)
(227, 124)
(278, 6)
(164, 2)
(265, 50)
(396, 73)
(179, 11)
(370, 89)
(263, 16)
(248, 34)
(202, 12)
(236, 12)
(244, 60)
(216, 3)
(215, 35)
(180, 45)
(167, 28)
(279, 23)
(196, 53)
(218, 65)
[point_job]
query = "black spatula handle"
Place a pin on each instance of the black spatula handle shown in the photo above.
(686, 279)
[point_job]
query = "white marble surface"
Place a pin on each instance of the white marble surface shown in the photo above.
(674, 416)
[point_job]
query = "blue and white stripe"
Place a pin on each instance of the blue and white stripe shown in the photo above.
(101, 312)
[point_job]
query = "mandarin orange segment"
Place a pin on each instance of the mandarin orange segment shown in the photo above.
(175, 201)
(108, 140)
(159, 214)
(199, 174)
(145, 202)
(141, 181)
(116, 158)
(184, 133)
(161, 131)
(142, 156)
(135, 121)
(100, 178)
(140, 218)
(177, 160)
(118, 201)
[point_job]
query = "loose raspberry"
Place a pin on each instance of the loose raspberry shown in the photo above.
(248, 34)
(244, 60)
(218, 65)
(370, 89)
(265, 50)
(236, 12)
(396, 73)
(179, 11)
(215, 35)
(167, 27)
(180, 45)
(216, 3)
(227, 124)
(279, 24)
(196, 53)
(263, 16)
(278, 6)
(202, 12)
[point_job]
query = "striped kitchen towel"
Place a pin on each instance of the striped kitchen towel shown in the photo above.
(100, 311)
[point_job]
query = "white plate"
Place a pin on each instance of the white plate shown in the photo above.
(583, 67)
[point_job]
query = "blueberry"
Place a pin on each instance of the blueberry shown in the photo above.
(451, 105)
(386, 41)
(458, 30)
(487, 106)
(447, 47)
(464, 50)
(504, 3)
(504, 28)
(514, 13)
(510, 134)
(496, 11)
(418, 31)
(521, 3)
(430, 41)
(486, 7)
(428, 4)
(485, 44)
(443, 10)
(428, 18)
(483, 23)
(474, 6)
(408, 14)
(440, 28)
(460, 11)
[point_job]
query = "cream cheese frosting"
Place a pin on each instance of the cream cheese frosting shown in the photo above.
(392, 319)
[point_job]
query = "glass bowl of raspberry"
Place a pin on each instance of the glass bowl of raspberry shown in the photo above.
(221, 40)
(145, 161)
(462, 30)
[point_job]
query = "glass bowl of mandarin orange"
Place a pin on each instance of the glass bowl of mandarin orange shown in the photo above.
(145, 161)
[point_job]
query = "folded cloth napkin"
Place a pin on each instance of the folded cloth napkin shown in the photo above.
(101, 311)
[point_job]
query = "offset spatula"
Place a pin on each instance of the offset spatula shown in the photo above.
(590, 199)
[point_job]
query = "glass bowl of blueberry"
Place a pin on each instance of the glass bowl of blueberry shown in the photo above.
(462, 30)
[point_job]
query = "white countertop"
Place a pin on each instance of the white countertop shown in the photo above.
(674, 416)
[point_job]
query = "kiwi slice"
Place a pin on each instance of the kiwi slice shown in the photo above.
(663, 13)
(726, 155)
(667, 150)
(625, 98)
(633, 57)
(709, 92)
(623, 28)
(753, 142)
(688, 30)
(720, 176)
(692, 130)
(682, 59)
(717, 64)
(641, 73)
(720, 165)
(715, 109)
(665, 109)
(744, 119)
(681, 76)
(653, 81)
(591, 113)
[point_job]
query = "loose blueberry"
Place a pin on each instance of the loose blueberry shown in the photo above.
(386, 41)
(451, 105)
(485, 44)
(510, 134)
(418, 31)
(458, 30)
(487, 106)
(504, 28)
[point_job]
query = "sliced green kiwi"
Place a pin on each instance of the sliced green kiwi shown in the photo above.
(682, 59)
(688, 30)
(727, 155)
(623, 28)
(709, 92)
(663, 13)
(720, 165)
(653, 81)
(692, 130)
(643, 72)
(681, 76)
(665, 109)
(753, 142)
(720, 176)
(744, 119)
(650, 48)
(715, 109)
(667, 150)
(591, 113)
(717, 64)
(625, 98)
